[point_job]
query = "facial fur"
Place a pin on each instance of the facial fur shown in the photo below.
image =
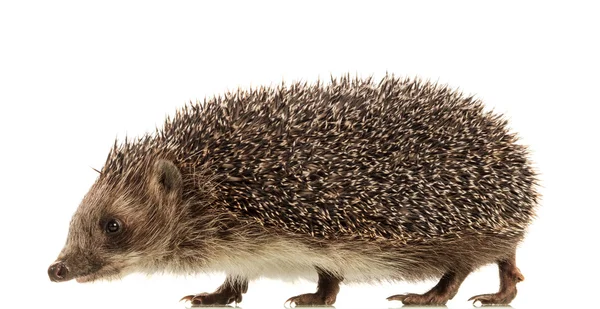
(123, 227)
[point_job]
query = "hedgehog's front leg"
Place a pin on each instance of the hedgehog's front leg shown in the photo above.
(509, 277)
(327, 290)
(439, 294)
(230, 291)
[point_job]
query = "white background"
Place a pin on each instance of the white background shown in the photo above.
(74, 76)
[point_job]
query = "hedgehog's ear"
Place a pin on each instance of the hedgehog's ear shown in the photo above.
(166, 180)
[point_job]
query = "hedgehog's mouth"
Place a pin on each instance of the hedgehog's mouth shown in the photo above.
(102, 273)
(84, 279)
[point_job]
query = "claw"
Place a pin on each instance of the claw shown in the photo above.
(420, 299)
(310, 299)
(400, 297)
(291, 301)
(204, 299)
(492, 299)
(409, 299)
(199, 299)
(482, 299)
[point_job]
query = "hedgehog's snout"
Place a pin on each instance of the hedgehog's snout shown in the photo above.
(58, 272)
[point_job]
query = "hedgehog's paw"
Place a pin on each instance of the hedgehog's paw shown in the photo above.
(426, 299)
(501, 298)
(310, 299)
(211, 299)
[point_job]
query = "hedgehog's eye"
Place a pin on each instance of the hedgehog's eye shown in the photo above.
(112, 226)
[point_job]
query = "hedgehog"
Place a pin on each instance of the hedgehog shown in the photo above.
(354, 179)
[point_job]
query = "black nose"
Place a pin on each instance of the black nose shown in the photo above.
(58, 271)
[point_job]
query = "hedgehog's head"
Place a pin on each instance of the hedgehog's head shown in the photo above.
(123, 224)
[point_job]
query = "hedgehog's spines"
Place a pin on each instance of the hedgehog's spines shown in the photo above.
(398, 159)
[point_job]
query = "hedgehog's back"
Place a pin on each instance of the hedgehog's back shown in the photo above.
(400, 159)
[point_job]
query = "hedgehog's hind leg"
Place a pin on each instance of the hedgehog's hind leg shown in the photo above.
(510, 275)
(327, 289)
(445, 290)
(230, 291)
